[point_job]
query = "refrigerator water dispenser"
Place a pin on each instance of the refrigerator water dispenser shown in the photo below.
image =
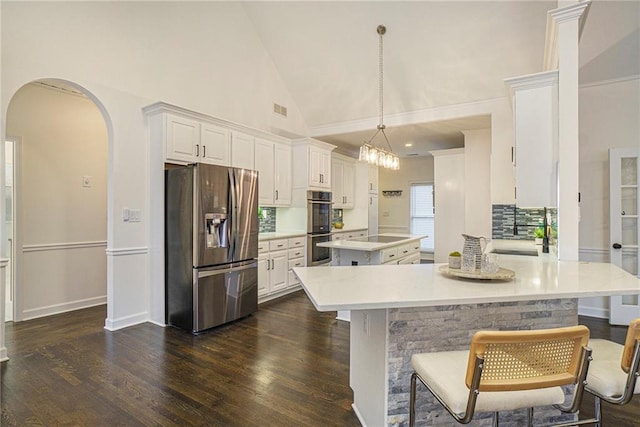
(216, 229)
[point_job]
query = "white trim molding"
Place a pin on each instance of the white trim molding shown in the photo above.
(610, 81)
(63, 246)
(3, 349)
(50, 310)
(594, 254)
(578, 10)
(127, 251)
(124, 322)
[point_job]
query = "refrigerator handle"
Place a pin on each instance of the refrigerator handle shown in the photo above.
(233, 229)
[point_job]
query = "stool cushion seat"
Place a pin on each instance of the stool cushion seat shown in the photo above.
(445, 374)
(605, 376)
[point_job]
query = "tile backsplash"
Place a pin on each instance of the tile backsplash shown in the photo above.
(266, 220)
(336, 215)
(511, 222)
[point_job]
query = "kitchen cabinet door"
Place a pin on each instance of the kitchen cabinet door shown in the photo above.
(349, 185)
(264, 266)
(215, 144)
(373, 179)
(319, 167)
(264, 164)
(282, 178)
(182, 139)
(242, 150)
(337, 168)
(279, 270)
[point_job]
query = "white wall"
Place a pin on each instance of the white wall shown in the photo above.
(609, 118)
(62, 225)
(394, 212)
(198, 55)
(477, 182)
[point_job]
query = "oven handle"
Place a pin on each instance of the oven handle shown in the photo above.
(318, 202)
(319, 235)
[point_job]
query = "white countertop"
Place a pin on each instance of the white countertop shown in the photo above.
(371, 246)
(280, 235)
(420, 285)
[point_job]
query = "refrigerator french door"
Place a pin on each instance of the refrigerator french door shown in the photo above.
(211, 245)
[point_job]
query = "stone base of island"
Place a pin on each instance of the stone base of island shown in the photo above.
(401, 310)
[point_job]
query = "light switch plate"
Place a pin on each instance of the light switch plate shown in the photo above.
(86, 181)
(125, 214)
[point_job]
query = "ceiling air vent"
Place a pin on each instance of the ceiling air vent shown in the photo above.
(280, 109)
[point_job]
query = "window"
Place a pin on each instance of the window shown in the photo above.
(422, 214)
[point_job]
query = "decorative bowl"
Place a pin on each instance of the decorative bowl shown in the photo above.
(338, 225)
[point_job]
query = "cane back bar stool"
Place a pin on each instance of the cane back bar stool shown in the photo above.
(506, 370)
(615, 368)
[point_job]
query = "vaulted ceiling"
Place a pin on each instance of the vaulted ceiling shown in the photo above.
(436, 54)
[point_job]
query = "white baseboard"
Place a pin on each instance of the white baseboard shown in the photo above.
(278, 294)
(597, 312)
(34, 313)
(162, 325)
(124, 322)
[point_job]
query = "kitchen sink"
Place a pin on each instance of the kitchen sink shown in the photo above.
(525, 252)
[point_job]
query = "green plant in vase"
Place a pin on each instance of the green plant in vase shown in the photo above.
(538, 234)
(455, 260)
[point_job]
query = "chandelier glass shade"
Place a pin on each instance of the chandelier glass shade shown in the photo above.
(368, 151)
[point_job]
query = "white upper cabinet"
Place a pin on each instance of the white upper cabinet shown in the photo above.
(312, 164)
(535, 124)
(182, 138)
(319, 167)
(282, 178)
(215, 144)
(242, 150)
(273, 163)
(192, 141)
(373, 179)
(343, 182)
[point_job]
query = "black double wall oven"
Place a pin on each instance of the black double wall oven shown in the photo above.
(318, 227)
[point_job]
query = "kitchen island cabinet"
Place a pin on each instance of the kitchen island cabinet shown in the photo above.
(400, 310)
(374, 250)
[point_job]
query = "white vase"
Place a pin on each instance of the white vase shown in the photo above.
(455, 262)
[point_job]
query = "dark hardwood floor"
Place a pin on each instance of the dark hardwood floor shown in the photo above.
(287, 365)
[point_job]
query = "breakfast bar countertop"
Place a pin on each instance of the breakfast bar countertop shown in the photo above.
(373, 243)
(422, 285)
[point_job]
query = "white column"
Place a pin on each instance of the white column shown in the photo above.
(568, 25)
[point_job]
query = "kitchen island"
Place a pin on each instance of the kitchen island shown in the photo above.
(378, 249)
(397, 311)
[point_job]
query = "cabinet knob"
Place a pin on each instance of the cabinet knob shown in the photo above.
(617, 246)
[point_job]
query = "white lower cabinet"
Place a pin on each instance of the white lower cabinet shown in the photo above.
(276, 259)
(348, 235)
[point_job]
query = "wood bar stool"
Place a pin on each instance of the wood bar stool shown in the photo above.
(506, 370)
(614, 371)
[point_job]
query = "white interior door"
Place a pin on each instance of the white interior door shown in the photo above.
(625, 231)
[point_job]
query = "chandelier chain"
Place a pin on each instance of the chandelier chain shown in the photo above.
(381, 82)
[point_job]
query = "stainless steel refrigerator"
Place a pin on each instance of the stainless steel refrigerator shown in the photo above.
(211, 245)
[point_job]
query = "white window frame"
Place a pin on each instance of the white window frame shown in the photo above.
(426, 245)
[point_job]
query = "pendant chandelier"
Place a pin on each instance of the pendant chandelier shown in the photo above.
(369, 152)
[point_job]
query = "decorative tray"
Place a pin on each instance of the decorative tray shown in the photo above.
(501, 274)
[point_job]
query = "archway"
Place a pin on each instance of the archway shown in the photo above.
(64, 227)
